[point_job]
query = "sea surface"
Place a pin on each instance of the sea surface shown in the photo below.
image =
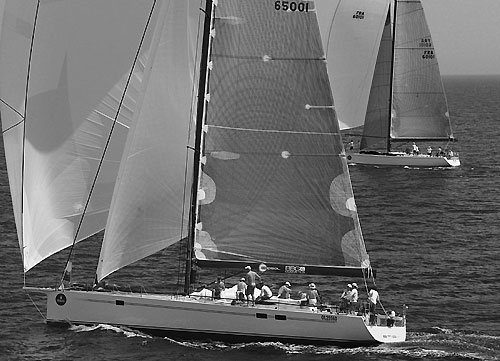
(432, 234)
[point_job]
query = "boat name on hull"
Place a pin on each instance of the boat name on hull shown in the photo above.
(329, 318)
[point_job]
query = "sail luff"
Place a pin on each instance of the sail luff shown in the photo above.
(393, 57)
(200, 122)
(378, 113)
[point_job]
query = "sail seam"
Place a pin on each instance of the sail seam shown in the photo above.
(110, 118)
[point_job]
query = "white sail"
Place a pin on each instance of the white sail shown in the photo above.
(419, 101)
(276, 178)
(351, 32)
(146, 213)
(64, 67)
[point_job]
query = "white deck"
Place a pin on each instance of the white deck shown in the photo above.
(202, 318)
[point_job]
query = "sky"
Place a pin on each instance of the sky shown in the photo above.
(466, 35)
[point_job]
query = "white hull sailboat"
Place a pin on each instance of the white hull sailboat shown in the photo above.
(247, 170)
(407, 102)
(204, 318)
(403, 160)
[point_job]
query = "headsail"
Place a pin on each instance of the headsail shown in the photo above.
(351, 31)
(378, 112)
(65, 68)
(276, 184)
(146, 214)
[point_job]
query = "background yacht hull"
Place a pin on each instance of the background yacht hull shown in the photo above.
(187, 317)
(402, 160)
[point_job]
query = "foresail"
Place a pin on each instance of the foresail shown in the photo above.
(351, 32)
(276, 184)
(419, 102)
(378, 113)
(147, 211)
(67, 100)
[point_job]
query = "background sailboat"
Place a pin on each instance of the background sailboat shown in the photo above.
(407, 101)
(261, 179)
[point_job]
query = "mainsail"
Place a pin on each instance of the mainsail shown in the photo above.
(350, 32)
(70, 73)
(275, 183)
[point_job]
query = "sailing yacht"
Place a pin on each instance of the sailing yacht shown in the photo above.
(168, 124)
(407, 103)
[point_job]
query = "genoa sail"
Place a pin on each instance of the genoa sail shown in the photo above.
(147, 210)
(275, 183)
(70, 77)
(350, 33)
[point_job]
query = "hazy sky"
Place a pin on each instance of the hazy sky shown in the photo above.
(466, 35)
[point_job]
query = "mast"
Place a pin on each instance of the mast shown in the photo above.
(389, 123)
(200, 114)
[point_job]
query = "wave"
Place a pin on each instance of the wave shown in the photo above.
(433, 343)
(396, 351)
(100, 327)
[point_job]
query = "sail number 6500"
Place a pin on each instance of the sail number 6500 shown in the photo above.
(292, 6)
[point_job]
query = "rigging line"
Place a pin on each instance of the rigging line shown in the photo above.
(12, 126)
(330, 30)
(146, 27)
(34, 304)
(15, 111)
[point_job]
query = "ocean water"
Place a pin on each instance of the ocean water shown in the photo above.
(432, 234)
